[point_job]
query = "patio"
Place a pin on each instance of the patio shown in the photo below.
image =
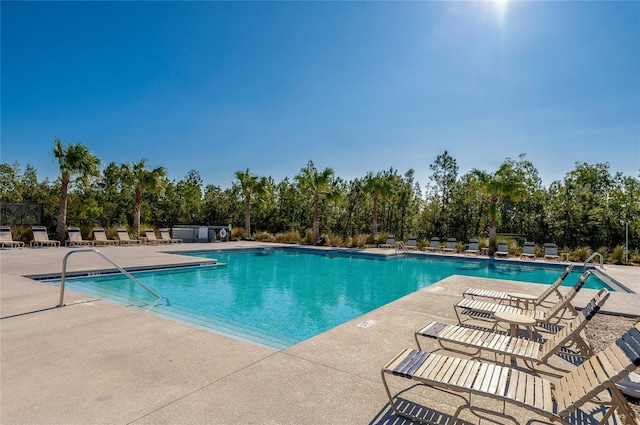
(96, 362)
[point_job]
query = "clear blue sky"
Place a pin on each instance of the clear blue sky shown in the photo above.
(356, 86)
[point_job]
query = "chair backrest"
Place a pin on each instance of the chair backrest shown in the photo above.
(435, 242)
(529, 248)
(123, 235)
(164, 234)
(565, 301)
(391, 240)
(150, 234)
(611, 365)
(556, 284)
(503, 246)
(411, 241)
(575, 326)
(5, 234)
(40, 233)
(99, 234)
(550, 249)
(451, 243)
(74, 234)
(473, 244)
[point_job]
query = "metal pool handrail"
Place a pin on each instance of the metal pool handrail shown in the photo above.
(594, 255)
(123, 271)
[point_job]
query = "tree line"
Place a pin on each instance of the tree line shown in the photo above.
(590, 209)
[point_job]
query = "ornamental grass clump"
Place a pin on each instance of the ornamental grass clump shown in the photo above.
(308, 237)
(239, 233)
(264, 237)
(290, 237)
(335, 240)
(617, 255)
(581, 254)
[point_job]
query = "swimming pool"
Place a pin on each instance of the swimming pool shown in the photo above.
(279, 297)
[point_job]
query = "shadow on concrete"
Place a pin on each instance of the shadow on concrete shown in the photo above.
(45, 309)
(387, 416)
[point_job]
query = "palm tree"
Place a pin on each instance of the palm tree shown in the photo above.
(503, 184)
(378, 186)
(143, 179)
(250, 184)
(317, 184)
(75, 161)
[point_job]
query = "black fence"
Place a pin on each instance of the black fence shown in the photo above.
(21, 214)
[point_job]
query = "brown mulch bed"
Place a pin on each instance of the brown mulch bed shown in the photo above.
(602, 331)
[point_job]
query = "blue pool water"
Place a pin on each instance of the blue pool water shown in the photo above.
(279, 297)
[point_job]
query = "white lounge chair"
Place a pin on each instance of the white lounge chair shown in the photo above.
(123, 236)
(567, 342)
(517, 299)
(434, 245)
(165, 236)
(473, 247)
(152, 239)
(551, 251)
(556, 400)
(528, 251)
(41, 237)
(100, 237)
(411, 242)
(557, 314)
(75, 238)
(451, 245)
(391, 242)
(6, 240)
(503, 250)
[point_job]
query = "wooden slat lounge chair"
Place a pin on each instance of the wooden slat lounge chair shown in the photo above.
(450, 246)
(41, 237)
(100, 237)
(473, 247)
(516, 299)
(411, 243)
(528, 251)
(555, 315)
(503, 250)
(391, 242)
(165, 236)
(555, 400)
(152, 239)
(6, 240)
(551, 252)
(567, 342)
(123, 236)
(434, 245)
(75, 238)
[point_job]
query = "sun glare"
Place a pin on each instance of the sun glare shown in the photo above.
(501, 9)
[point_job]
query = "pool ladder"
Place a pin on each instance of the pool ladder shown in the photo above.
(123, 271)
(400, 248)
(595, 254)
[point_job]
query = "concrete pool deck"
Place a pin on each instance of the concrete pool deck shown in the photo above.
(96, 362)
